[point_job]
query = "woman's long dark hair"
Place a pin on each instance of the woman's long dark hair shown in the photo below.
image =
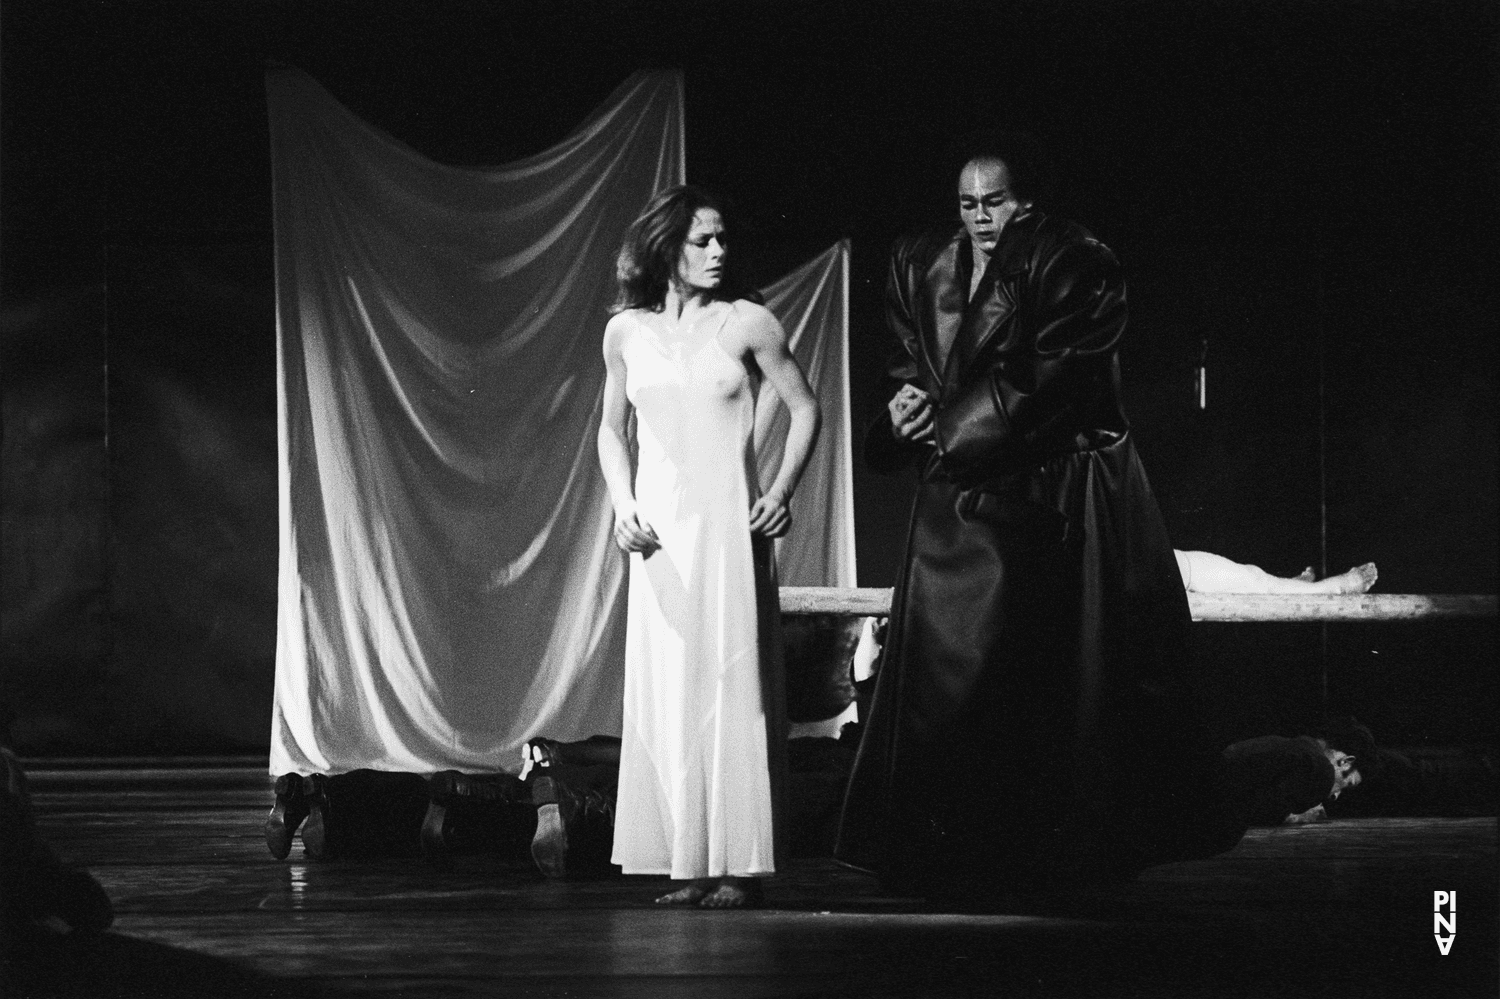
(653, 245)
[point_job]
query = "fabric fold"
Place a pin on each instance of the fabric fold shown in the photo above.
(447, 583)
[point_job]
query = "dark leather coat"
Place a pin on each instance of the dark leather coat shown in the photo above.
(1030, 724)
(1032, 372)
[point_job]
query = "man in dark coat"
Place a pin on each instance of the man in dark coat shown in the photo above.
(1272, 779)
(1029, 728)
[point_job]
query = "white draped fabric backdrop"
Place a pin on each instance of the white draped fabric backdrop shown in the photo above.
(448, 587)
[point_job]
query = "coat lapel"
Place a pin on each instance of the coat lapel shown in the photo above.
(948, 283)
(993, 303)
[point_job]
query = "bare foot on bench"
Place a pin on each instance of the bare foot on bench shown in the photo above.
(1356, 580)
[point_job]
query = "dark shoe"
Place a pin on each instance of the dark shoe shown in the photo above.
(286, 815)
(436, 847)
(315, 839)
(556, 808)
(476, 813)
(364, 813)
(574, 830)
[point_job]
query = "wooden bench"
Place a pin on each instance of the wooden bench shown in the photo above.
(876, 602)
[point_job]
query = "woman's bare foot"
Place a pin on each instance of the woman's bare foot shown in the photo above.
(734, 893)
(691, 895)
(1356, 580)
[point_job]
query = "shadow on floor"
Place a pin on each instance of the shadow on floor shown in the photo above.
(50, 965)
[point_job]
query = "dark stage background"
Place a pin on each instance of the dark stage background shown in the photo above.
(1310, 188)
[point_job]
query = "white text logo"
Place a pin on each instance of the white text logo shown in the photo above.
(1444, 926)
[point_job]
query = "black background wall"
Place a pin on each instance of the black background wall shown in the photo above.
(1309, 188)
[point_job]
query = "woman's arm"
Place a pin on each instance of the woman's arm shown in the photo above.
(632, 533)
(766, 341)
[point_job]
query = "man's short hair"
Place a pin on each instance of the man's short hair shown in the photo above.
(1024, 155)
(1345, 734)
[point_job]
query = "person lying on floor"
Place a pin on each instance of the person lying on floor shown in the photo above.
(562, 805)
(1274, 780)
(1422, 781)
(560, 814)
(573, 784)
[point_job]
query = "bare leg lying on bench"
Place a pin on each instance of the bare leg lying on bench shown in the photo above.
(1205, 572)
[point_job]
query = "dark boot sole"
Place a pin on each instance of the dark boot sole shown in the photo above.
(435, 849)
(315, 840)
(549, 846)
(286, 815)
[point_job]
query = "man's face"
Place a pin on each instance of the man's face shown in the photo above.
(1344, 774)
(985, 202)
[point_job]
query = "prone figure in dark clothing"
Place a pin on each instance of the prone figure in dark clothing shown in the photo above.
(561, 809)
(1272, 779)
(1278, 781)
(1265, 781)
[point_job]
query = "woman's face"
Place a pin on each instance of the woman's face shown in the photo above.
(701, 265)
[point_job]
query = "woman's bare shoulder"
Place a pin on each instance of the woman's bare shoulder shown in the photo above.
(755, 323)
(619, 324)
(627, 318)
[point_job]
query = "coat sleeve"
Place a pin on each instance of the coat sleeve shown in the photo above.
(884, 451)
(1074, 310)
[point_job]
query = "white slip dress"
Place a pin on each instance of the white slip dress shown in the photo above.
(703, 747)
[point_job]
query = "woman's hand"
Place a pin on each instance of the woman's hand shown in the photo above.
(770, 517)
(911, 414)
(633, 534)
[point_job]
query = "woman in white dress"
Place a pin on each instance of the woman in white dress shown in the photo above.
(702, 754)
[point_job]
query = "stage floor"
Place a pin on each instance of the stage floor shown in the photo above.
(1339, 909)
